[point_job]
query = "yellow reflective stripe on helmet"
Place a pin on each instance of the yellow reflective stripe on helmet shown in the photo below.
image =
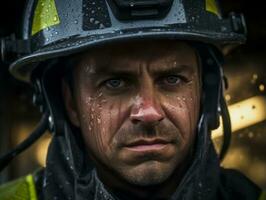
(45, 15)
(211, 6)
(263, 196)
(31, 187)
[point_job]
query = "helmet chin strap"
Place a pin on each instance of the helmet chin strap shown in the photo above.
(43, 125)
(213, 102)
(227, 130)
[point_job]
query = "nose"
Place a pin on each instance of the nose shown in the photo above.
(146, 110)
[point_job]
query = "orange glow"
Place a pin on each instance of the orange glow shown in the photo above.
(41, 151)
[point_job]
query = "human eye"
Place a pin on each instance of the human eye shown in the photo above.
(114, 84)
(171, 80)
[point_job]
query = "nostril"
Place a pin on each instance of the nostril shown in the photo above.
(147, 115)
(135, 121)
(137, 116)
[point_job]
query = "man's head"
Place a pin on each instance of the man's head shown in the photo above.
(137, 105)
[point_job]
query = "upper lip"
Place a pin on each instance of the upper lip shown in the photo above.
(147, 142)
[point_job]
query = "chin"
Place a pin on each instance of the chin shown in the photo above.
(148, 174)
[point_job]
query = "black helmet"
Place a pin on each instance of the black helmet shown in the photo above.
(53, 28)
(56, 28)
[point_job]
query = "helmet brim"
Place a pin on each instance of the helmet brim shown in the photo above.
(23, 66)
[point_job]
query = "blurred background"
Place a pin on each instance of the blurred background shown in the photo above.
(245, 69)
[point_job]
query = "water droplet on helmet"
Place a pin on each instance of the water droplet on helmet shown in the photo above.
(55, 18)
(223, 28)
(96, 22)
(101, 26)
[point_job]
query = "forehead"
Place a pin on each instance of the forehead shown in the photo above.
(156, 53)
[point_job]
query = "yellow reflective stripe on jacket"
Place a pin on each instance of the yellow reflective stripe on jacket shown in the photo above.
(21, 189)
(32, 189)
(263, 196)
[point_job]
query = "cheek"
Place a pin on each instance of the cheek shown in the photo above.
(183, 111)
(100, 120)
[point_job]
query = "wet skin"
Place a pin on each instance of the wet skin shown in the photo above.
(137, 105)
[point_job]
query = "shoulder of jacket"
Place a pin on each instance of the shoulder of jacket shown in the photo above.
(20, 189)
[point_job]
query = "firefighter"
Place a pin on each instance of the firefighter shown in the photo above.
(130, 91)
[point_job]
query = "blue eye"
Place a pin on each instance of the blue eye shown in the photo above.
(114, 83)
(172, 80)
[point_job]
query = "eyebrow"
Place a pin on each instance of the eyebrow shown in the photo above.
(173, 70)
(109, 71)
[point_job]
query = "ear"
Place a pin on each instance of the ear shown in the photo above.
(70, 106)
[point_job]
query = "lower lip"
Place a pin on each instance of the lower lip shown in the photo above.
(150, 147)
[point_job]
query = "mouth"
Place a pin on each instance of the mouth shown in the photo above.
(147, 145)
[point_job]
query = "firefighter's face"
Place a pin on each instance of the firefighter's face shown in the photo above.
(137, 105)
